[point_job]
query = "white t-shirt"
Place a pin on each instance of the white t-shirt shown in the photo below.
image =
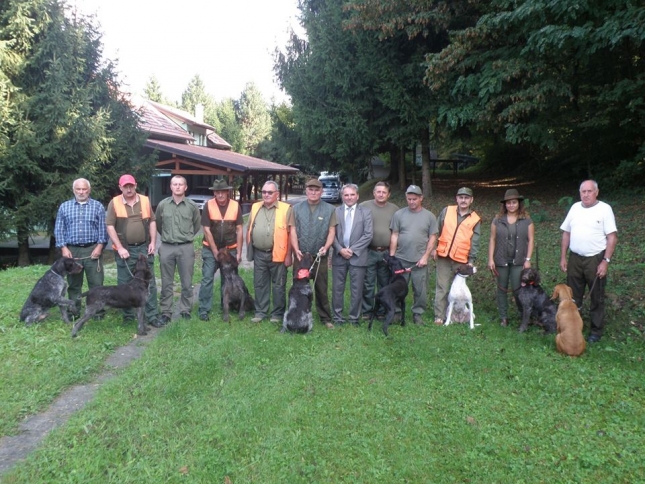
(589, 228)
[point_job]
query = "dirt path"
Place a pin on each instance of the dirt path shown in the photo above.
(33, 430)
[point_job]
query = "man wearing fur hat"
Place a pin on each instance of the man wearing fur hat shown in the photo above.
(459, 233)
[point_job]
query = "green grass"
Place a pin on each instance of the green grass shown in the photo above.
(212, 400)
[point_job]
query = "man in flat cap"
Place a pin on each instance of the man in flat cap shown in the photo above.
(312, 229)
(222, 223)
(414, 232)
(459, 232)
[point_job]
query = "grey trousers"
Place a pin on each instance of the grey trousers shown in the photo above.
(172, 257)
(269, 279)
(356, 279)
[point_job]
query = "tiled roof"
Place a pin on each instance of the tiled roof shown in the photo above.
(218, 142)
(159, 125)
(236, 162)
(181, 114)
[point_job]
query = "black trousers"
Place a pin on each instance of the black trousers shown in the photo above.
(581, 273)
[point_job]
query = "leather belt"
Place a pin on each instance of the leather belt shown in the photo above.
(379, 249)
(137, 245)
(90, 244)
(266, 251)
(177, 243)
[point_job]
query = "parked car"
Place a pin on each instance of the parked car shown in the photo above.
(200, 195)
(331, 188)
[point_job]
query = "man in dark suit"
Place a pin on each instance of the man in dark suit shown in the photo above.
(353, 237)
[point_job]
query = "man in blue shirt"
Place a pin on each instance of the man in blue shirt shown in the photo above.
(81, 233)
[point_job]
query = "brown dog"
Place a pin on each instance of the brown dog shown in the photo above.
(569, 339)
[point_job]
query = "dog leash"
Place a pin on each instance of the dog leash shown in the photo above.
(316, 261)
(590, 291)
(494, 273)
(98, 262)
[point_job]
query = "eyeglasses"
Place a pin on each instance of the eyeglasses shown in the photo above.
(268, 192)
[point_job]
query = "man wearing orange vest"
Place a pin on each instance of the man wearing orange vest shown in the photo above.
(132, 227)
(267, 240)
(459, 232)
(222, 223)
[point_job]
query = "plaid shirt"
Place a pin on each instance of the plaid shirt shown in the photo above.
(80, 223)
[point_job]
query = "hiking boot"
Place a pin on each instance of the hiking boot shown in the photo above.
(256, 319)
(204, 317)
(438, 321)
(504, 322)
(185, 315)
(417, 319)
(275, 320)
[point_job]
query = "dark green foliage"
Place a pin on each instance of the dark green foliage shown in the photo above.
(67, 119)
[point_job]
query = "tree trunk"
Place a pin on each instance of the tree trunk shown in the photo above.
(395, 172)
(402, 174)
(425, 163)
(51, 255)
(23, 247)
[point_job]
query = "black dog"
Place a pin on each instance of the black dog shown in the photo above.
(49, 291)
(134, 294)
(298, 317)
(235, 295)
(533, 301)
(392, 295)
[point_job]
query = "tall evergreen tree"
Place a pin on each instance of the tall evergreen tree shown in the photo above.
(254, 118)
(69, 121)
(196, 94)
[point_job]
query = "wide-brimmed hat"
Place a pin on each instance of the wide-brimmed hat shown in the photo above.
(465, 191)
(414, 189)
(220, 185)
(512, 194)
(127, 180)
(314, 182)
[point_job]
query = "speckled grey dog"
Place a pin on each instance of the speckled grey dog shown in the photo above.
(134, 294)
(532, 301)
(49, 291)
(298, 317)
(235, 294)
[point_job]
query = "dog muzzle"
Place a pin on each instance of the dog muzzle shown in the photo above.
(303, 274)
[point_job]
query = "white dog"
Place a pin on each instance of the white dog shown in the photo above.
(460, 300)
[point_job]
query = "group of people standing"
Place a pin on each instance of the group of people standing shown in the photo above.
(360, 235)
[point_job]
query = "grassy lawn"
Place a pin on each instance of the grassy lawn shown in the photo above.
(212, 401)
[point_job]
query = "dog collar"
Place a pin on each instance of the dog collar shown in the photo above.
(403, 271)
(303, 273)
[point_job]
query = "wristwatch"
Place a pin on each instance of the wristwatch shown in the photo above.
(528, 259)
(606, 259)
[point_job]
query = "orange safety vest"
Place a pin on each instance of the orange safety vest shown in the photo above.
(455, 238)
(122, 217)
(215, 214)
(280, 230)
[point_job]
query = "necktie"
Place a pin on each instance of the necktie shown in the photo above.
(348, 226)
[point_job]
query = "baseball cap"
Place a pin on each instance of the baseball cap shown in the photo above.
(127, 180)
(465, 191)
(414, 189)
